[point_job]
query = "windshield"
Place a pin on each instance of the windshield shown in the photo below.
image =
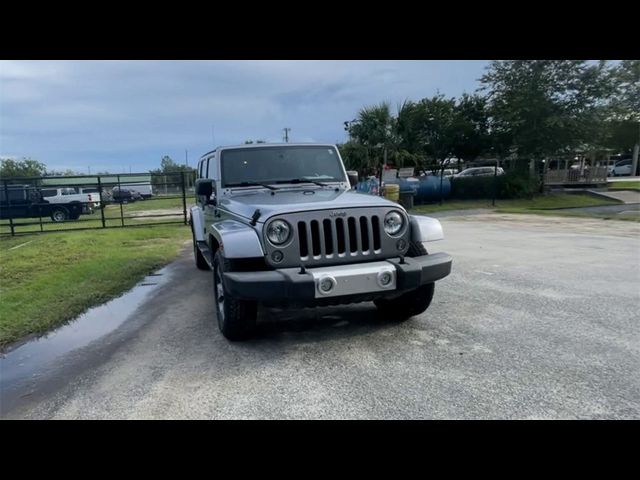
(280, 165)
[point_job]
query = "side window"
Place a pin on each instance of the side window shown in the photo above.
(208, 168)
(49, 193)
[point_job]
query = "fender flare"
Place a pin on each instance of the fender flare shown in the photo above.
(236, 239)
(197, 223)
(425, 229)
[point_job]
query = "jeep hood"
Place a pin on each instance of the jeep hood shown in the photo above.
(298, 200)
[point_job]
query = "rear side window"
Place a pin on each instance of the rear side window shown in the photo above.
(15, 195)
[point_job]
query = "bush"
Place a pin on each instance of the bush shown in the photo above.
(509, 185)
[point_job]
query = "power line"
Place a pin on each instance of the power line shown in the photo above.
(286, 134)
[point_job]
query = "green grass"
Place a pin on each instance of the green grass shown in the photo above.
(57, 276)
(156, 203)
(538, 203)
(632, 185)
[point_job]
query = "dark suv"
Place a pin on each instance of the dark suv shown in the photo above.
(124, 195)
(25, 201)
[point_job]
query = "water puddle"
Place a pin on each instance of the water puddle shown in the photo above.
(28, 361)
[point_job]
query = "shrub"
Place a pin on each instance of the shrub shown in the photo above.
(509, 185)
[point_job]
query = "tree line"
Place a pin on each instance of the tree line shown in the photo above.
(525, 111)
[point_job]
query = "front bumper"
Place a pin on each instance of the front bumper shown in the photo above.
(288, 284)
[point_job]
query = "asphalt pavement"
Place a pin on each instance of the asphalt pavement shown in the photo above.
(540, 318)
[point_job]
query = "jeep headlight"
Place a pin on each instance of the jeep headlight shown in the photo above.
(278, 232)
(393, 223)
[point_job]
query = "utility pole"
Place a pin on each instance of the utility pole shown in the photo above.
(286, 134)
(89, 168)
(186, 157)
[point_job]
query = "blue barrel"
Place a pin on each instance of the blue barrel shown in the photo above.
(409, 185)
(429, 189)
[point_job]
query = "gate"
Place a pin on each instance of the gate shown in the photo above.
(52, 204)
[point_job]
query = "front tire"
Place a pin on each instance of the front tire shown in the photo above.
(236, 318)
(411, 303)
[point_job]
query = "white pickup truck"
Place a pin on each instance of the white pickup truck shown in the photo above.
(67, 195)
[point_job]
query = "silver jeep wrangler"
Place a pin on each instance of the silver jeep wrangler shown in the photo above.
(279, 225)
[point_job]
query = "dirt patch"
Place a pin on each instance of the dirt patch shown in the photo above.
(165, 212)
(593, 226)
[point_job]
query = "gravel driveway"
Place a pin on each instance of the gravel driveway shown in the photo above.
(540, 318)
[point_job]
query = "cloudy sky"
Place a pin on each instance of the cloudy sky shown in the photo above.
(116, 115)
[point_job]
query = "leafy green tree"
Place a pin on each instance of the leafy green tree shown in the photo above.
(169, 172)
(625, 108)
(355, 157)
(543, 108)
(471, 135)
(436, 121)
(374, 128)
(27, 167)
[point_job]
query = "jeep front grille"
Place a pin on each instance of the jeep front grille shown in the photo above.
(322, 237)
(339, 237)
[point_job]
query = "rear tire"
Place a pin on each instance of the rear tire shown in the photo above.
(59, 214)
(410, 303)
(236, 318)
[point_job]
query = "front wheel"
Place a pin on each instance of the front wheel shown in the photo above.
(410, 303)
(406, 305)
(236, 318)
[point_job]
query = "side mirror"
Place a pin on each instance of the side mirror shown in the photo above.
(204, 187)
(353, 178)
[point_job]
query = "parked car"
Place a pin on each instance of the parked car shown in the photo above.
(124, 195)
(143, 190)
(279, 225)
(447, 173)
(69, 195)
(479, 172)
(93, 196)
(623, 167)
(25, 201)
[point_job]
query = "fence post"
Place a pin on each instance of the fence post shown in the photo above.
(495, 183)
(441, 180)
(184, 199)
(121, 200)
(6, 192)
(102, 204)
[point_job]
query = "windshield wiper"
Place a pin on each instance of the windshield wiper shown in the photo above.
(304, 180)
(251, 184)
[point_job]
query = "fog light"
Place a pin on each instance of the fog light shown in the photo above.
(401, 244)
(277, 256)
(326, 284)
(385, 278)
